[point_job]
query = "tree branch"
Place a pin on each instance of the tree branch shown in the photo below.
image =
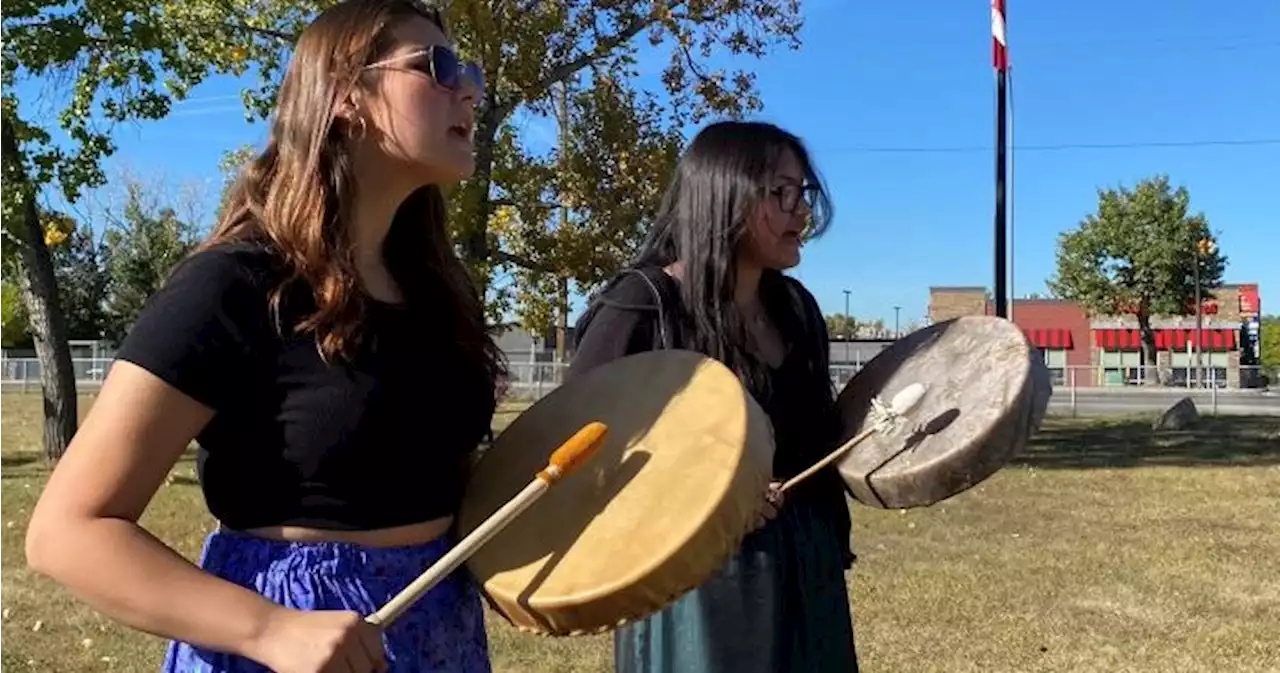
(693, 66)
(282, 37)
(508, 202)
(705, 18)
(519, 260)
(603, 48)
(237, 21)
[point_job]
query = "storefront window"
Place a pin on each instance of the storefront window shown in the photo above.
(1212, 372)
(1120, 368)
(1056, 361)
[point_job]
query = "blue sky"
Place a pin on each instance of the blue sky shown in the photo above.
(897, 103)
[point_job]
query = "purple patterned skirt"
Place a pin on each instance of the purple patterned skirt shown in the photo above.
(444, 631)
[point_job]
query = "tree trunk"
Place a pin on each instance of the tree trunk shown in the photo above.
(1151, 374)
(562, 324)
(48, 326)
(562, 307)
(474, 232)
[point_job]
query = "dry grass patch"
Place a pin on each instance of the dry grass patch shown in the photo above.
(1105, 548)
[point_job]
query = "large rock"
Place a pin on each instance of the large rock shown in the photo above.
(1180, 416)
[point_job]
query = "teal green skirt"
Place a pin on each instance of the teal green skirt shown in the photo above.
(780, 605)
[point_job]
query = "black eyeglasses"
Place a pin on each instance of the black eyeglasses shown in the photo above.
(789, 196)
(441, 64)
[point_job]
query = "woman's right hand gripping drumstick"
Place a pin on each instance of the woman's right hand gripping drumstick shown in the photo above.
(300, 641)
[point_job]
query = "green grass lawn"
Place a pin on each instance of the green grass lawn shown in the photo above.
(1104, 548)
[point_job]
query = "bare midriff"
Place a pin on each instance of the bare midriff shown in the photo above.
(398, 536)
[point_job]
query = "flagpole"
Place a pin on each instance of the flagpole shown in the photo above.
(1000, 61)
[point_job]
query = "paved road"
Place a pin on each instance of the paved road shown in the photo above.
(1117, 401)
(1087, 401)
(1094, 402)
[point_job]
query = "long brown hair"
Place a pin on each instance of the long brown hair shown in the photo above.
(297, 194)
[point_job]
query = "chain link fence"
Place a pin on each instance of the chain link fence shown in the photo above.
(532, 380)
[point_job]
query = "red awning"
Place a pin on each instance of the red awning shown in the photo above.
(1117, 339)
(1048, 337)
(1166, 339)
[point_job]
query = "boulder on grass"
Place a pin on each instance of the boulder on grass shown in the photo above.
(1180, 416)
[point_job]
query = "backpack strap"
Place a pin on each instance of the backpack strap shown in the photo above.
(665, 337)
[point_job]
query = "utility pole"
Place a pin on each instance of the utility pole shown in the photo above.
(1000, 60)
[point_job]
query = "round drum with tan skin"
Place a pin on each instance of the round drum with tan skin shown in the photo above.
(986, 393)
(660, 507)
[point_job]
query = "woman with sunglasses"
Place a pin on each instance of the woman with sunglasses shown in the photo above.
(290, 346)
(710, 278)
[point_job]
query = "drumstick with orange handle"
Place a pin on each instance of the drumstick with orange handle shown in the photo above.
(882, 418)
(564, 460)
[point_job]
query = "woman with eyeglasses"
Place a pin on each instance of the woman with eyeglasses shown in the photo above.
(290, 347)
(710, 278)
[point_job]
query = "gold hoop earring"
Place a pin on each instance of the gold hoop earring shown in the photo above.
(363, 129)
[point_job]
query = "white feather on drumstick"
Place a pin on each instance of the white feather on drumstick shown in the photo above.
(883, 417)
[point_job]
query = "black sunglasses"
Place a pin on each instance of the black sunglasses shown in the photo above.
(442, 65)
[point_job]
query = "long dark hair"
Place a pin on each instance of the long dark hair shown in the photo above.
(720, 181)
(296, 195)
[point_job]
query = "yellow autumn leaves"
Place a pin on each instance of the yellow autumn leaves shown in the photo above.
(58, 231)
(503, 220)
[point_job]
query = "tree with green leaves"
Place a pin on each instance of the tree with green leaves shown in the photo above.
(16, 324)
(139, 259)
(840, 325)
(1269, 334)
(27, 259)
(119, 61)
(15, 331)
(574, 213)
(79, 269)
(143, 242)
(102, 285)
(232, 161)
(129, 60)
(1140, 253)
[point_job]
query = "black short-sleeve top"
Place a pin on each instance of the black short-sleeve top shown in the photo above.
(376, 440)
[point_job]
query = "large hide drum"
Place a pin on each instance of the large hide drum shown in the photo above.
(987, 392)
(668, 497)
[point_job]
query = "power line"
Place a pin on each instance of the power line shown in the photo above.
(1244, 39)
(1058, 147)
(1058, 53)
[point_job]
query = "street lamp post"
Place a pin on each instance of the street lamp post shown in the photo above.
(1199, 319)
(1204, 247)
(848, 324)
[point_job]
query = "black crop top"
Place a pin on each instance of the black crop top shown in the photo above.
(377, 441)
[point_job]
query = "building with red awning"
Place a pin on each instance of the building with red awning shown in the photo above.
(1088, 350)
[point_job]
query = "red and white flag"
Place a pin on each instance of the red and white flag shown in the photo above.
(999, 51)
